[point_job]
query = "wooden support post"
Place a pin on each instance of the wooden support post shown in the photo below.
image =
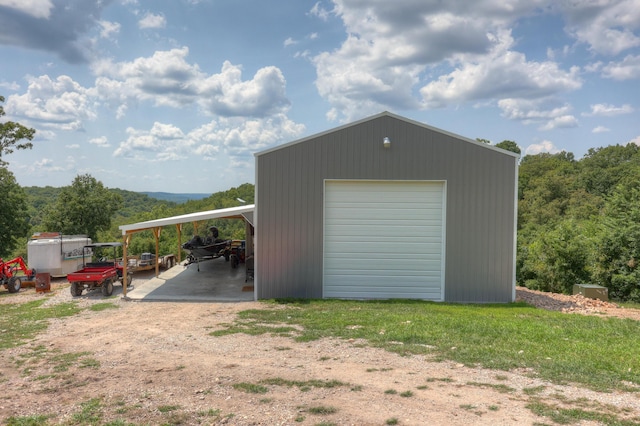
(156, 234)
(125, 244)
(179, 229)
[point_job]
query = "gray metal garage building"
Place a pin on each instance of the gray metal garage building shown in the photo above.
(386, 207)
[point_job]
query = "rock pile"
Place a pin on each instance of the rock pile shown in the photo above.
(573, 304)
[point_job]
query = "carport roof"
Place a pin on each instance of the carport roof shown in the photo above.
(245, 212)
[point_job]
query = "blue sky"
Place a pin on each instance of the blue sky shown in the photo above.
(177, 95)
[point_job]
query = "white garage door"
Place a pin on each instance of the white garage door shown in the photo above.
(384, 239)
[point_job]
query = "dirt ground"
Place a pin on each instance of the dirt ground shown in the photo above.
(156, 363)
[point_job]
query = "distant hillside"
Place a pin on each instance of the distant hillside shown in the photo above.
(175, 198)
(133, 203)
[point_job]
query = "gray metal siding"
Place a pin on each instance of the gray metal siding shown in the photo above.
(480, 204)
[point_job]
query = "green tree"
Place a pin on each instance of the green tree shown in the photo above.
(602, 169)
(545, 184)
(509, 146)
(14, 220)
(555, 259)
(12, 135)
(85, 207)
(617, 264)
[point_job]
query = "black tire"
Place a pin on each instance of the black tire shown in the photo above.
(14, 284)
(234, 261)
(76, 289)
(107, 288)
(129, 280)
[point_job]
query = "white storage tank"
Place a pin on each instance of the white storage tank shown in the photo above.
(56, 254)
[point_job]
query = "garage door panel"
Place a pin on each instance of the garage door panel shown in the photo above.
(368, 275)
(408, 245)
(404, 267)
(383, 214)
(390, 189)
(368, 227)
(383, 290)
(384, 239)
(385, 283)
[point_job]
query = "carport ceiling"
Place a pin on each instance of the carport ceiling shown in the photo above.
(241, 212)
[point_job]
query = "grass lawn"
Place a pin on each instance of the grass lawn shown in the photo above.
(599, 353)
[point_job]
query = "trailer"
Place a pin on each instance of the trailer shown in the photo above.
(147, 261)
(55, 253)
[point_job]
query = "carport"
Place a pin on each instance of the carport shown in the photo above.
(242, 212)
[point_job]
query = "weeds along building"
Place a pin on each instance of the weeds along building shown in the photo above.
(386, 207)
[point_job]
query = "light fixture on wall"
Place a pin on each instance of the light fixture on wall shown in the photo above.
(386, 142)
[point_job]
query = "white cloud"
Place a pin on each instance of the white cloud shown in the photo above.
(108, 29)
(60, 104)
(228, 95)
(564, 121)
(161, 143)
(48, 165)
(72, 146)
(319, 11)
(606, 26)
(593, 67)
(302, 54)
(152, 21)
(627, 69)
(502, 73)
(166, 132)
(58, 28)
(40, 9)
(167, 79)
(544, 112)
(13, 86)
(451, 52)
(289, 42)
(235, 137)
(609, 110)
(600, 129)
(636, 140)
(207, 151)
(544, 146)
(100, 141)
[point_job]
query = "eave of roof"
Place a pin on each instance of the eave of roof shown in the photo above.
(230, 212)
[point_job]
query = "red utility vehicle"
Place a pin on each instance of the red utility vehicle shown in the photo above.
(9, 273)
(102, 273)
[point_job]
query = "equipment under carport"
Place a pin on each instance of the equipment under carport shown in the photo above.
(592, 291)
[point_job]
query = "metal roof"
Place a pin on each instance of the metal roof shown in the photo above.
(230, 212)
(387, 114)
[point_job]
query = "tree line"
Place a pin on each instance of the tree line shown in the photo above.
(579, 221)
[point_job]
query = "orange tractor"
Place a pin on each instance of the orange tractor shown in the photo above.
(9, 274)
